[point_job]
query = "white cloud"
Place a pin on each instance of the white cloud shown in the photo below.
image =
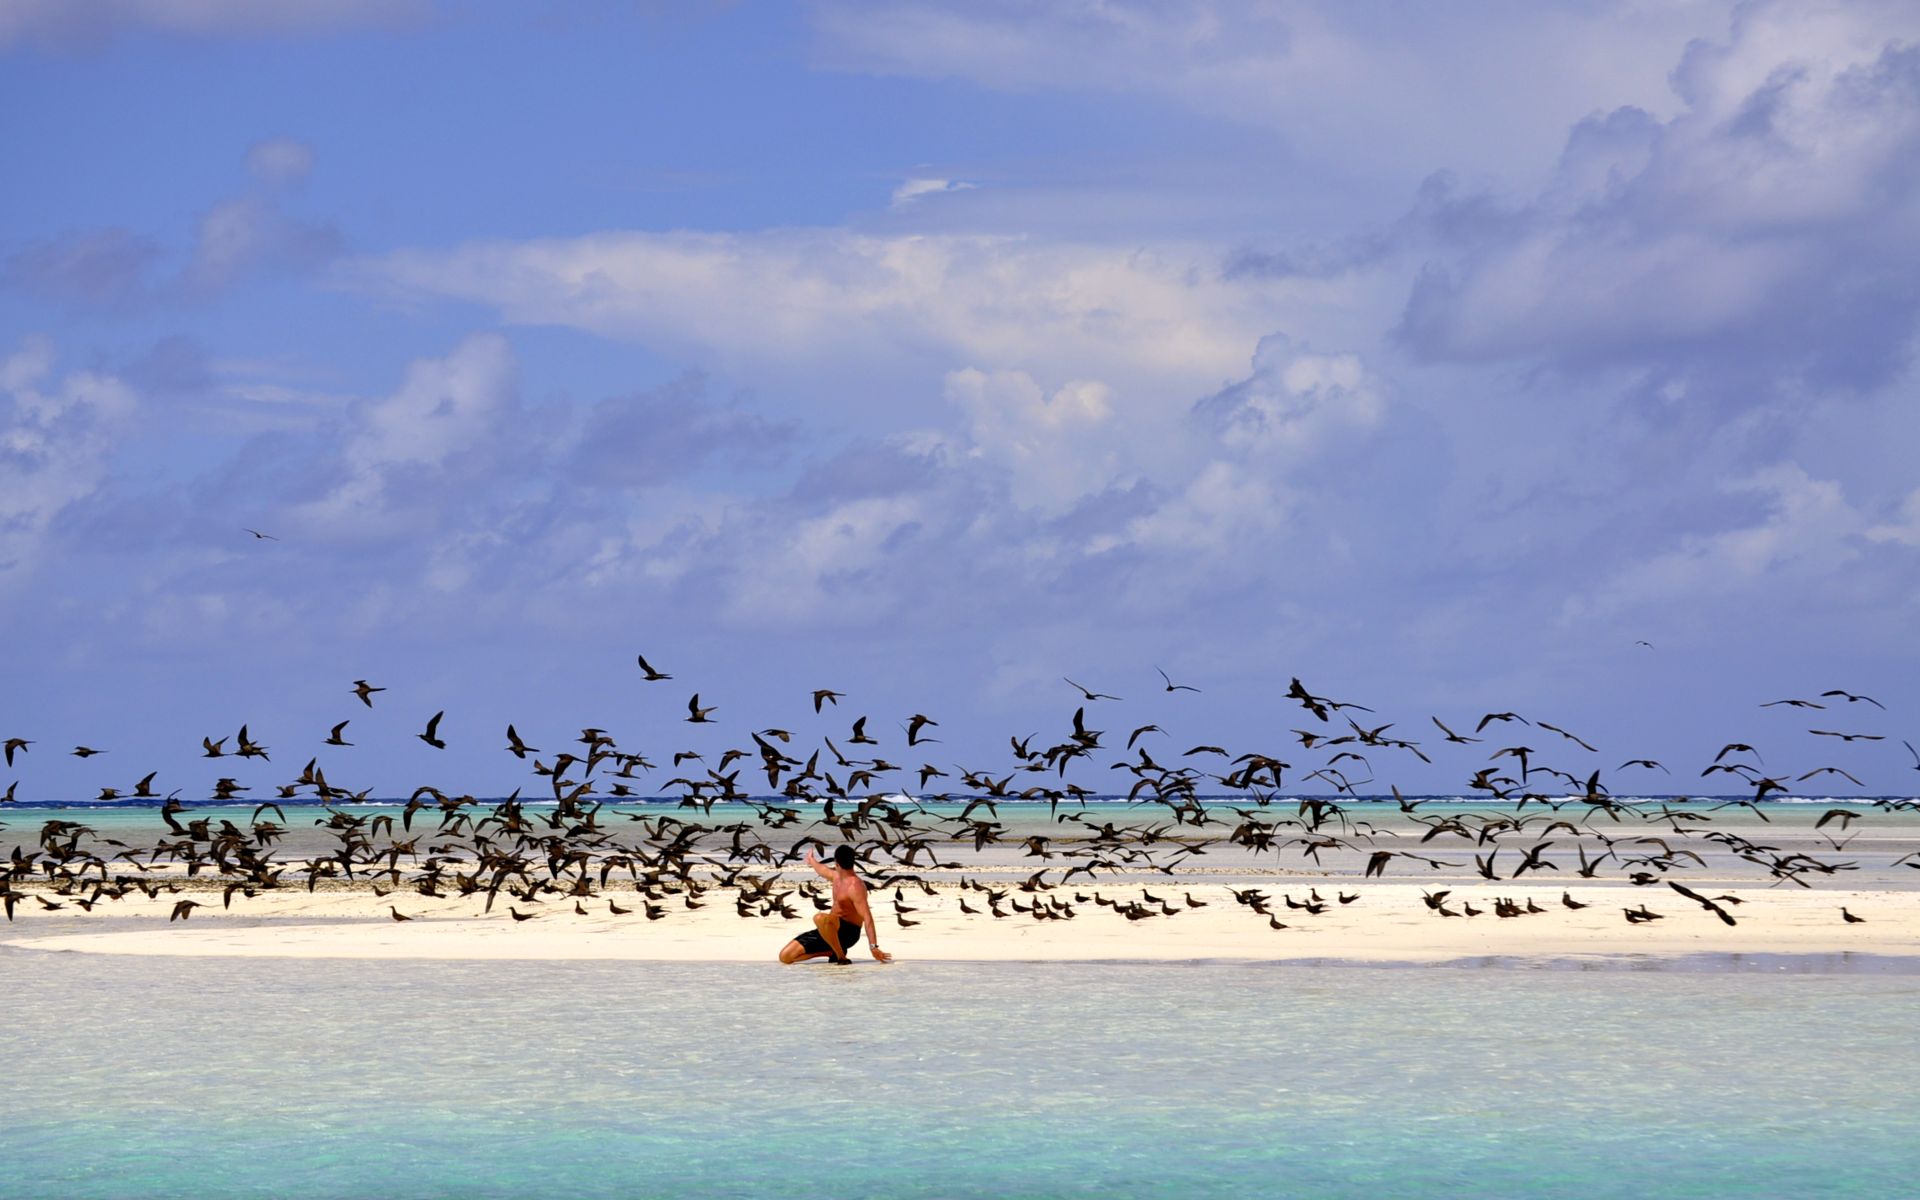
(444, 407)
(1807, 532)
(1295, 402)
(1904, 529)
(914, 189)
(1054, 448)
(244, 234)
(1407, 88)
(55, 443)
(1775, 214)
(1225, 509)
(280, 161)
(800, 297)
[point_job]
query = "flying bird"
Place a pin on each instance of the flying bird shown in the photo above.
(432, 736)
(653, 676)
(1175, 687)
(1451, 735)
(1853, 699)
(365, 691)
(258, 536)
(1090, 695)
(699, 715)
(334, 738)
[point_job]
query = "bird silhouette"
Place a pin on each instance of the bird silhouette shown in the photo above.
(1172, 686)
(652, 676)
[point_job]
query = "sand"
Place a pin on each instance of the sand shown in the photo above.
(1389, 922)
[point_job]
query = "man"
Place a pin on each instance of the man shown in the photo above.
(836, 931)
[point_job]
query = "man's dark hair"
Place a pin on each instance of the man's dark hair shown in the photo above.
(844, 858)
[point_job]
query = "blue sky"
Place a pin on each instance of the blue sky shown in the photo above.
(932, 352)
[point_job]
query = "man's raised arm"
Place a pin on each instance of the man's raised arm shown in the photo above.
(820, 867)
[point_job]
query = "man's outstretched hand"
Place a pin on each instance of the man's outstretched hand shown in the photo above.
(881, 955)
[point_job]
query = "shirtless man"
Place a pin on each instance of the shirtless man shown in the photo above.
(835, 931)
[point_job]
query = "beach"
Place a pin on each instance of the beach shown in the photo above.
(1222, 903)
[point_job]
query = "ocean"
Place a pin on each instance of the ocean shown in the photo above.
(183, 1077)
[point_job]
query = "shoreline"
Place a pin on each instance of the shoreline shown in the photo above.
(1387, 923)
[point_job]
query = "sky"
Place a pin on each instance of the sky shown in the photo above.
(1543, 357)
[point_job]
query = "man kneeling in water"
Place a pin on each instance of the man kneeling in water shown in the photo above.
(836, 931)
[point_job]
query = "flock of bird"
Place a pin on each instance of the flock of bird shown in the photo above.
(595, 843)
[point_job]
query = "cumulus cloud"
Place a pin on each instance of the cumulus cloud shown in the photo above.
(1771, 222)
(236, 238)
(56, 439)
(1054, 447)
(799, 297)
(1806, 530)
(246, 234)
(666, 433)
(1294, 402)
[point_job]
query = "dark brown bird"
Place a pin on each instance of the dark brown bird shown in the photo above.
(183, 910)
(1175, 687)
(1853, 699)
(696, 714)
(1451, 735)
(334, 738)
(365, 691)
(397, 914)
(1090, 695)
(653, 676)
(432, 736)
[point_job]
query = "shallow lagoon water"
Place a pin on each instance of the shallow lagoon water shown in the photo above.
(201, 1077)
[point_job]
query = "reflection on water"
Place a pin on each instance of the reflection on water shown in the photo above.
(182, 1077)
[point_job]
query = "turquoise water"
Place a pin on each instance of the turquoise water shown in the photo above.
(180, 1077)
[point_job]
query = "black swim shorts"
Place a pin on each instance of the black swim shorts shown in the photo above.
(813, 943)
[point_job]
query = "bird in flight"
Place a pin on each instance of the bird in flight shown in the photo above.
(1090, 695)
(1853, 699)
(365, 691)
(1451, 735)
(653, 676)
(258, 536)
(699, 715)
(1175, 687)
(22, 743)
(432, 736)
